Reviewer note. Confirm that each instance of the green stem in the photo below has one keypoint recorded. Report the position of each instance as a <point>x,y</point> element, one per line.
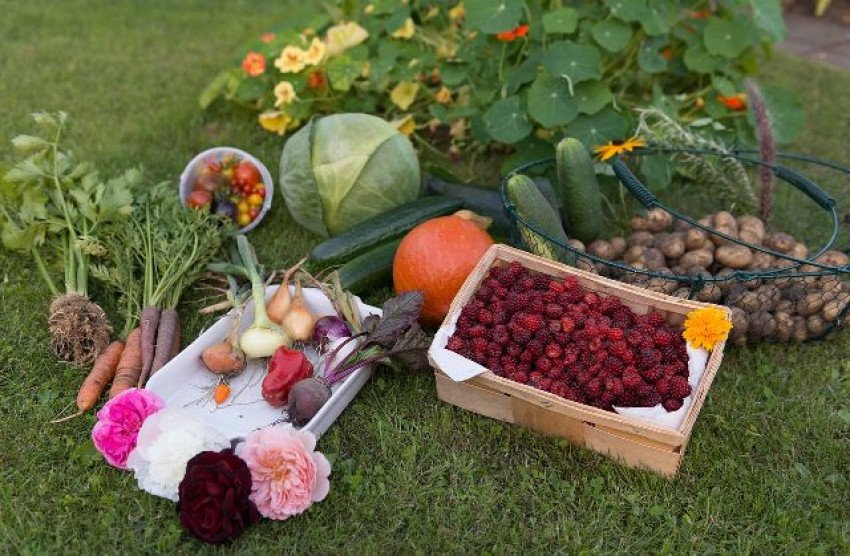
<point>39,263</point>
<point>258,289</point>
<point>502,61</point>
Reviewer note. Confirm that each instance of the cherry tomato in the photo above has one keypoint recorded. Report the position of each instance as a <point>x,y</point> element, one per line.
<point>214,166</point>
<point>254,199</point>
<point>242,206</point>
<point>228,173</point>
<point>246,174</point>
<point>199,199</point>
<point>209,182</point>
<point>260,189</point>
<point>253,212</point>
<point>243,219</point>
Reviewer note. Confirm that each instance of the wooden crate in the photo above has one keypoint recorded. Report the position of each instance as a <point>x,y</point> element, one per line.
<point>633,441</point>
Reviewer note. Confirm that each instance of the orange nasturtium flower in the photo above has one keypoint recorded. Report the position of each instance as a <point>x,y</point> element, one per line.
<point>705,328</point>
<point>513,34</point>
<point>267,37</point>
<point>704,13</point>
<point>254,64</point>
<point>734,102</point>
<point>316,80</point>
<point>616,147</point>
<point>667,53</point>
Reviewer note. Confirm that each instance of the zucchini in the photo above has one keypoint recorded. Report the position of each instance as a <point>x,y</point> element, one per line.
<point>371,269</point>
<point>389,225</point>
<point>531,205</point>
<point>578,190</point>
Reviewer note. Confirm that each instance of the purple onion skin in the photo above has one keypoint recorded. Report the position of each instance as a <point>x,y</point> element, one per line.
<point>306,398</point>
<point>330,328</point>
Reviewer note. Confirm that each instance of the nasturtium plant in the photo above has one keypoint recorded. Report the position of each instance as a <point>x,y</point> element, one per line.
<point>463,75</point>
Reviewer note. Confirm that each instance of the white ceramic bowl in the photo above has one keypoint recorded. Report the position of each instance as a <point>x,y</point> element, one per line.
<point>193,169</point>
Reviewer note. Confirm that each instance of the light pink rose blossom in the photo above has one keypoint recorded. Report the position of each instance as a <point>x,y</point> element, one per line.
<point>287,475</point>
<point>119,421</point>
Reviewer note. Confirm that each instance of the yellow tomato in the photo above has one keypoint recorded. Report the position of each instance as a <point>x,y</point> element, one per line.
<point>255,200</point>
<point>242,206</point>
<point>243,219</point>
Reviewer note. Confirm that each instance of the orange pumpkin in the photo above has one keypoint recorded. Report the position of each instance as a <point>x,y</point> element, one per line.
<point>436,257</point>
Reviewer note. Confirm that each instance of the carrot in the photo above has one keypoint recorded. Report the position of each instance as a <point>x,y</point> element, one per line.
<point>169,322</point>
<point>221,393</point>
<point>148,325</point>
<point>130,365</point>
<point>96,381</point>
<point>175,345</point>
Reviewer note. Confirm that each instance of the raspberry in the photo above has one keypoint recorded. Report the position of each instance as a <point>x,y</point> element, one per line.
<point>652,374</point>
<point>584,377</point>
<point>562,339</point>
<point>522,336</point>
<point>513,271</point>
<point>535,347</point>
<point>455,343</point>
<point>543,364</point>
<point>555,286</point>
<point>485,317</point>
<point>478,344</point>
<point>500,292</point>
<point>553,311</point>
<point>634,338</point>
<point>567,324</point>
<point>526,284</point>
<point>494,365</point>
<point>509,367</point>
<point>662,386</point>
<point>632,380</point>
<point>655,319</point>
<point>541,281</point>
<point>513,350</point>
<point>553,351</point>
<point>679,387</point>
<point>537,306</point>
<point>614,385</point>
<point>554,326</point>
<point>519,377</point>
<point>535,377</point>
<point>526,356</point>
<point>662,338</point>
<point>673,404</point>
<point>614,364</point>
<point>650,357</point>
<point>555,373</point>
<point>532,322</point>
<point>500,334</point>
<point>591,298</point>
<point>494,349</point>
<point>593,388</point>
<point>496,272</point>
<point>570,358</point>
<point>651,399</point>
<point>463,321</point>
<point>560,389</point>
<point>523,367</point>
<point>484,292</point>
<point>476,331</point>
<point>614,334</point>
<point>500,316</point>
<point>545,383</point>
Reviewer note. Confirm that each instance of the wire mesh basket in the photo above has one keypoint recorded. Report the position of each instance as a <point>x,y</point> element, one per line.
<point>777,288</point>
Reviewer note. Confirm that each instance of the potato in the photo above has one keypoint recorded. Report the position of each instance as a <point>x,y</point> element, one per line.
<point>618,245</point>
<point>799,331</point>
<point>740,325</point>
<point>701,258</point>
<point>672,245</point>
<point>695,239</point>
<point>809,305</point>
<point>678,269</point>
<point>634,253</point>
<point>654,259</point>
<point>815,326</point>
<point>751,302</point>
<point>762,325</point>
<point>682,293</point>
<point>710,293</point>
<point>752,226</point>
<point>640,238</point>
<point>769,296</point>
<point>639,223</point>
<point>785,306</point>
<point>578,245</point>
<point>784,326</point>
<point>734,256</point>
<point>727,230</point>
<point>659,219</point>
<point>780,241</point>
<point>834,257</point>
<point>800,251</point>
<point>762,261</point>
<point>707,220</point>
<point>833,308</point>
<point>601,249</point>
<point>709,246</point>
<point>724,219</point>
<point>587,265</point>
<point>681,226</point>
<point>662,285</point>
<point>734,294</point>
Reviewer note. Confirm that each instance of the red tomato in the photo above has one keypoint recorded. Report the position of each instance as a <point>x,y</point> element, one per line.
<point>260,189</point>
<point>199,199</point>
<point>246,174</point>
<point>253,212</point>
<point>214,166</point>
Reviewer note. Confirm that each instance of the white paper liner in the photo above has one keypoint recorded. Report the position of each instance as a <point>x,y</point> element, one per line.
<point>459,369</point>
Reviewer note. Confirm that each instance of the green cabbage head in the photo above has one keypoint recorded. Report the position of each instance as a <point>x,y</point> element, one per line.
<point>342,169</point>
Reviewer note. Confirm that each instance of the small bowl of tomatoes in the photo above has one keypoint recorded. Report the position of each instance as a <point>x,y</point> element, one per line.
<point>229,182</point>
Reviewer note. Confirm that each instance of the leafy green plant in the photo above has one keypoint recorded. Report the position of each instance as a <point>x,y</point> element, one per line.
<point>466,75</point>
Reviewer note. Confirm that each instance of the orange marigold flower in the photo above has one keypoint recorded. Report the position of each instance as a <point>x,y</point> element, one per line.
<point>614,148</point>
<point>705,328</point>
<point>267,37</point>
<point>254,64</point>
<point>734,102</point>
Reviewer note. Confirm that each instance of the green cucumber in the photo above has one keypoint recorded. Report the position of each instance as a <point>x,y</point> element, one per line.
<point>389,225</point>
<point>531,205</point>
<point>372,269</point>
<point>578,190</point>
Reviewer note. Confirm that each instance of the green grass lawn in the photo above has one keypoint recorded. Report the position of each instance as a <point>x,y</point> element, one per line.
<point>766,468</point>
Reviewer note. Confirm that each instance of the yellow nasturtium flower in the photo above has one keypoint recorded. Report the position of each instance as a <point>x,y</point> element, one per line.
<point>406,125</point>
<point>404,94</point>
<point>343,36</point>
<point>406,31</point>
<point>275,121</point>
<point>284,93</point>
<point>291,60</point>
<point>315,53</point>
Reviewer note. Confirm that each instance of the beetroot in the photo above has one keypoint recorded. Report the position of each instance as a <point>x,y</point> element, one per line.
<point>286,367</point>
<point>306,398</point>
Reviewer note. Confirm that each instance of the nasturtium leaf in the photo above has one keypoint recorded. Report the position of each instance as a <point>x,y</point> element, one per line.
<point>786,112</point>
<point>592,96</point>
<point>528,150</point>
<point>216,87</point>
<point>404,93</point>
<point>599,128</point>
<point>550,102</point>
<point>723,85</point>
<point>343,71</point>
<point>725,38</point>
<point>563,20</point>
<point>697,59</point>
<point>396,19</point>
<point>768,17</point>
<point>506,121</point>
<point>657,17</point>
<point>524,72</point>
<point>627,10</point>
<point>493,16</point>
<point>453,75</point>
<point>611,34</point>
<point>650,59</point>
<point>574,62</point>
<point>250,90</point>
<point>438,111</point>
<point>656,171</point>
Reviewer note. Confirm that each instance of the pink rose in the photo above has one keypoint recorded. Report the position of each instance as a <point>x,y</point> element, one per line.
<point>287,475</point>
<point>119,421</point>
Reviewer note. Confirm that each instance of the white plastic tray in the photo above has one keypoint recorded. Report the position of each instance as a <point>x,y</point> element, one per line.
<point>185,381</point>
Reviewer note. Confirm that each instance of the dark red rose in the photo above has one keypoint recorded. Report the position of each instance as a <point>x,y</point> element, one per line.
<point>214,504</point>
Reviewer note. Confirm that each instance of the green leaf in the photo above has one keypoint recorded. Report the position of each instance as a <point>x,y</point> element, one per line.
<point>599,128</point>
<point>453,75</point>
<point>592,96</point>
<point>250,90</point>
<point>786,112</point>
<point>29,143</point>
<point>768,17</point>
<point>523,73</point>
<point>611,34</point>
<point>650,59</point>
<point>574,62</point>
<point>725,38</point>
<point>343,71</point>
<point>627,10</point>
<point>493,16</point>
<point>23,171</point>
<point>724,86</point>
<point>550,102</point>
<point>505,121</point>
<point>214,89</point>
<point>563,20</point>
<point>658,17</point>
<point>697,59</point>
<point>33,205</point>
<point>657,172</point>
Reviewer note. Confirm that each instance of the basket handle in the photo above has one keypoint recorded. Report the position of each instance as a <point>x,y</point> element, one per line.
<point>628,179</point>
<point>805,185</point>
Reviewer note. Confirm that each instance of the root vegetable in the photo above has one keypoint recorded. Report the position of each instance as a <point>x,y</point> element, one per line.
<point>682,293</point>
<point>97,380</point>
<point>299,321</point>
<point>834,258</point>
<point>724,219</point>
<point>769,295</point>
<point>800,251</point>
<point>673,246</point>
<point>662,285</point>
<point>780,241</point>
<point>762,325</point>
<point>833,308</point>
<point>785,306</point>
<point>710,293</point>
<point>751,226</point>
<point>167,333</point>
<point>812,303</point>
<point>658,219</point>
<point>618,245</point>
<point>226,357</point>
<point>707,221</point>
<point>601,249</point>
<point>639,223</point>
<point>654,259</point>
<point>634,253</point>
<point>761,261</point>
<point>750,302</point>
<point>799,331</point>
<point>129,366</point>
<point>640,238</point>
<point>79,328</point>
<point>306,398</point>
<point>740,326</point>
<point>278,305</point>
<point>695,239</point>
<point>701,258</point>
<point>734,256</point>
<point>784,326</point>
<point>148,325</point>
<point>815,326</point>
<point>577,245</point>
